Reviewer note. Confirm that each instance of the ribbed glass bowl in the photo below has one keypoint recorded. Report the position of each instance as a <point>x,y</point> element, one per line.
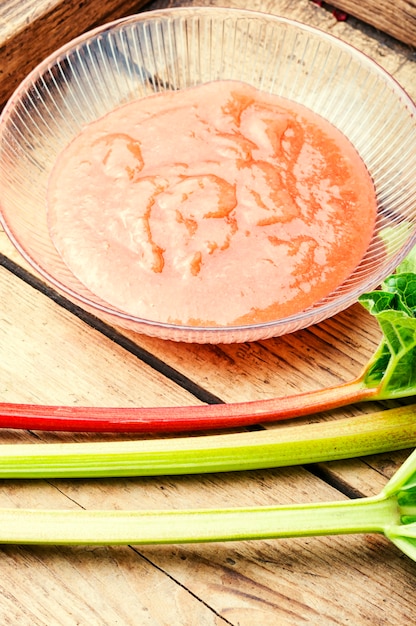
<point>179,48</point>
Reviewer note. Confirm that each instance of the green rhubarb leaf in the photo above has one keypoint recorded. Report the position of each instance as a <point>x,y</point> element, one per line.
<point>393,367</point>
<point>403,289</point>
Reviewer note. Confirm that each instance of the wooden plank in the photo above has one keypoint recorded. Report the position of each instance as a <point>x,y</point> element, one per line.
<point>397,19</point>
<point>52,357</point>
<point>89,585</point>
<point>97,586</point>
<point>285,582</point>
<point>30,30</point>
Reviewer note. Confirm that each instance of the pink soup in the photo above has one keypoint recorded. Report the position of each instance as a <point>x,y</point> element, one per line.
<point>213,206</point>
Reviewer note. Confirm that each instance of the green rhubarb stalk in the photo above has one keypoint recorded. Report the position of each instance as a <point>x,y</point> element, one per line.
<point>392,512</point>
<point>387,430</point>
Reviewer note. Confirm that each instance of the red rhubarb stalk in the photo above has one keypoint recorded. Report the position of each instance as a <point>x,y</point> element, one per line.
<point>181,418</point>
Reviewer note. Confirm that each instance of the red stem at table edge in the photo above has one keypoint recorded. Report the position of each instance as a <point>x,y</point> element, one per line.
<point>180,418</point>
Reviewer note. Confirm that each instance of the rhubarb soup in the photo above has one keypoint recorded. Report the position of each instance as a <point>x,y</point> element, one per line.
<point>217,205</point>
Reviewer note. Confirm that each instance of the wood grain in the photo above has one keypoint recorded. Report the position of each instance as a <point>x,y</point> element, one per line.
<point>395,18</point>
<point>101,587</point>
<point>33,29</point>
<point>76,365</point>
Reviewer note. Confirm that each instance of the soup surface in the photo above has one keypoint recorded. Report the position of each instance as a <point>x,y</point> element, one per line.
<point>217,205</point>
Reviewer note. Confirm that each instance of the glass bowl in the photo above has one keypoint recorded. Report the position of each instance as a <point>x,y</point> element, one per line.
<point>180,48</point>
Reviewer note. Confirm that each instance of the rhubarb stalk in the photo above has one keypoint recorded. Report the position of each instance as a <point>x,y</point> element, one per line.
<point>388,430</point>
<point>392,512</point>
<point>180,418</point>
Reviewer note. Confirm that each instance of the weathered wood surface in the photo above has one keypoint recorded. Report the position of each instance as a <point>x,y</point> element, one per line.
<point>50,354</point>
<point>30,30</point>
<point>396,18</point>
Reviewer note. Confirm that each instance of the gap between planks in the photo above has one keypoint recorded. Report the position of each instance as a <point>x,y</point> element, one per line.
<point>112,333</point>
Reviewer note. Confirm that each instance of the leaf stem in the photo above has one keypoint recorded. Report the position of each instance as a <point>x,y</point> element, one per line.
<point>387,430</point>
<point>203,525</point>
<point>182,418</point>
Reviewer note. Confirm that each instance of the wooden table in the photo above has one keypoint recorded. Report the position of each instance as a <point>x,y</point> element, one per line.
<point>50,353</point>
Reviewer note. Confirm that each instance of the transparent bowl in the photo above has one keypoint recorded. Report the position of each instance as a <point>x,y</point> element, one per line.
<point>179,48</point>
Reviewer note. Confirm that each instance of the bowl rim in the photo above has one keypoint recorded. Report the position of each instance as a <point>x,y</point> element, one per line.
<point>167,14</point>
